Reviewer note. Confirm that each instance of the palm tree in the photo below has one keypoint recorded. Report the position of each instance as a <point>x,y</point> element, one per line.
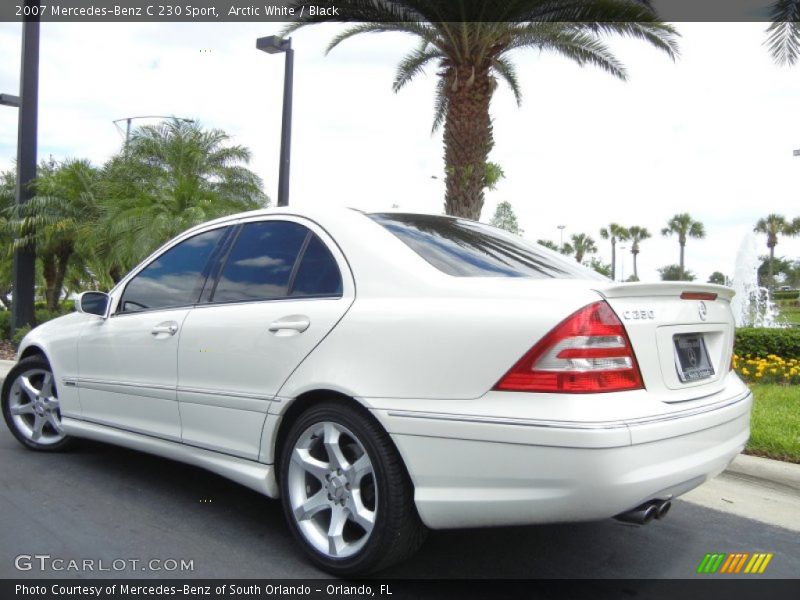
<point>582,245</point>
<point>470,41</point>
<point>637,234</point>
<point>615,233</point>
<point>684,227</point>
<point>172,176</point>
<point>61,219</point>
<point>783,35</point>
<point>773,226</point>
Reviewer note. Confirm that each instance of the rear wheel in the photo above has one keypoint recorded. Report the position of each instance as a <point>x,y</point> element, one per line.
<point>346,494</point>
<point>31,408</point>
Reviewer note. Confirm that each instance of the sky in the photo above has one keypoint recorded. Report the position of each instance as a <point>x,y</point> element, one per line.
<point>711,134</point>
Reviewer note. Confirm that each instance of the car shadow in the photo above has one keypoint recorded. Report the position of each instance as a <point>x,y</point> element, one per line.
<point>601,549</point>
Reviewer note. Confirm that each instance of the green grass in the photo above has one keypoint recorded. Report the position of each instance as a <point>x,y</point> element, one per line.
<point>775,425</point>
<point>790,313</point>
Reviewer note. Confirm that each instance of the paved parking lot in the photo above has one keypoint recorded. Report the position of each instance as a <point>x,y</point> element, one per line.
<point>102,502</point>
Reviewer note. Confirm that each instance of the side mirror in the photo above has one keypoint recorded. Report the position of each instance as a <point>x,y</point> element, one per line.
<point>92,303</point>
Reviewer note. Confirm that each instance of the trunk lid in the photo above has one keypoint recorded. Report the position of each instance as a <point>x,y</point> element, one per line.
<point>681,332</point>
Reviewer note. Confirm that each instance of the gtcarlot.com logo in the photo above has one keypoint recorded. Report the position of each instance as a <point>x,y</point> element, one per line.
<point>46,562</point>
<point>734,563</point>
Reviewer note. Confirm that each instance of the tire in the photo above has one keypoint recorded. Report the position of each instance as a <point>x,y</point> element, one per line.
<point>32,416</point>
<point>346,494</point>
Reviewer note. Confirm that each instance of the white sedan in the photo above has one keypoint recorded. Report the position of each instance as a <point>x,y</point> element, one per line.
<point>386,373</point>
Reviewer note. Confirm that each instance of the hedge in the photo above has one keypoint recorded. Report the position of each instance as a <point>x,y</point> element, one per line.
<point>786,295</point>
<point>760,341</point>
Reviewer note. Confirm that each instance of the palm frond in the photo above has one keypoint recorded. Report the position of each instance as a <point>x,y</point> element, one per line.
<point>414,63</point>
<point>783,35</point>
<point>506,70</point>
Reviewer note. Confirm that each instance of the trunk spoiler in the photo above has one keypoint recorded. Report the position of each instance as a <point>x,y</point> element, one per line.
<point>662,288</point>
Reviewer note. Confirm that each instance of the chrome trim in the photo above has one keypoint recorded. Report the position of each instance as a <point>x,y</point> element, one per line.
<point>620,424</point>
<point>214,392</point>
<point>88,383</point>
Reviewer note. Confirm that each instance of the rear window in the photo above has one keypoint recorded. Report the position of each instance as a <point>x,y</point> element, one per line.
<point>464,248</point>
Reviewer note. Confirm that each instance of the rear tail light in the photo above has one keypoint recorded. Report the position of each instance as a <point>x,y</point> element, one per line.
<point>698,296</point>
<point>587,352</point>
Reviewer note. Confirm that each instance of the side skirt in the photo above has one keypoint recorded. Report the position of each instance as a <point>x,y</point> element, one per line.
<point>257,476</point>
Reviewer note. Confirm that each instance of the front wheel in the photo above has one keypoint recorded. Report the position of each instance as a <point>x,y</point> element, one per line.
<point>346,494</point>
<point>31,408</point>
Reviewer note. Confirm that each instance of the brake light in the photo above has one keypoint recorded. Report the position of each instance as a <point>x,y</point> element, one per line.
<point>698,296</point>
<point>588,352</point>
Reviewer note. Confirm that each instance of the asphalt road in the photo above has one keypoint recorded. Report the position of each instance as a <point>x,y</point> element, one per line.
<point>103,502</point>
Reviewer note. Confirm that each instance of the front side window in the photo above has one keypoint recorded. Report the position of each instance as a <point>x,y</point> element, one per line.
<point>175,278</point>
<point>261,262</point>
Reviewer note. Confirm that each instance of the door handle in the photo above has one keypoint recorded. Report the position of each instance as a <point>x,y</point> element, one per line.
<point>293,323</point>
<point>168,327</point>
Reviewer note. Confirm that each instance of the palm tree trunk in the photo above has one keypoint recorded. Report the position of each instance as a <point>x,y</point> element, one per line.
<point>613,259</point>
<point>770,280</point>
<point>49,273</point>
<point>60,275</point>
<point>683,246</point>
<point>467,139</point>
<point>635,271</point>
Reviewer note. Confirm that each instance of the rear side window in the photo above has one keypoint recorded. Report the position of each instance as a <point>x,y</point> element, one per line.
<point>260,264</point>
<point>318,274</point>
<point>173,279</point>
<point>464,248</point>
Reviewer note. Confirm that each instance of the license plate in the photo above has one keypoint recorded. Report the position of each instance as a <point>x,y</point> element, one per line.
<point>691,358</point>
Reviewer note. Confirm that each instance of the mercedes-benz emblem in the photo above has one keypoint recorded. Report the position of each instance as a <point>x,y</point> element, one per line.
<point>702,310</point>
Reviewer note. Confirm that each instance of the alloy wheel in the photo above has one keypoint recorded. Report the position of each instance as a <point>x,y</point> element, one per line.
<point>332,491</point>
<point>34,408</point>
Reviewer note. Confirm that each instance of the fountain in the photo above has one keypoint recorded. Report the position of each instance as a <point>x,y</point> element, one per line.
<point>752,306</point>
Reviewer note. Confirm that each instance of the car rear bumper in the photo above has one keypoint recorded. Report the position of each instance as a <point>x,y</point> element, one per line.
<point>473,471</point>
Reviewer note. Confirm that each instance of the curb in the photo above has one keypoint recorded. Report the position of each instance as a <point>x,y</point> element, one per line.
<point>766,469</point>
<point>5,366</point>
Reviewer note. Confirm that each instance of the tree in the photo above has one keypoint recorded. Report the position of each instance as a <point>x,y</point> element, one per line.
<point>783,35</point>
<point>675,273</point>
<point>774,225</point>
<point>684,227</point>
<point>637,234</point>
<point>549,244</point>
<point>599,266</point>
<point>774,268</point>
<point>470,42</point>
<point>170,177</point>
<point>582,245</point>
<point>718,278</point>
<point>504,218</point>
<point>615,233</point>
<point>61,220</point>
<point>8,185</point>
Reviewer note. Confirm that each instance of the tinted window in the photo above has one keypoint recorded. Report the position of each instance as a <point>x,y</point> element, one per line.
<point>174,278</point>
<point>318,274</point>
<point>260,264</point>
<point>468,249</point>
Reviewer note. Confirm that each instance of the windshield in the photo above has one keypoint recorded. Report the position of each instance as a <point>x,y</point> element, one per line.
<point>464,248</point>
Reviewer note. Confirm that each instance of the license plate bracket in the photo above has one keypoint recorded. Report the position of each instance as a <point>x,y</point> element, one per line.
<point>691,357</point>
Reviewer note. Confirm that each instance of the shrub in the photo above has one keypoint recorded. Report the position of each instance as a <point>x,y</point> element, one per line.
<point>42,315</point>
<point>5,324</point>
<point>19,334</point>
<point>787,295</point>
<point>762,342</point>
<point>772,369</point>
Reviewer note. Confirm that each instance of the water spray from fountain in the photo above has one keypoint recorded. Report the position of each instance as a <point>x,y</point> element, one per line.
<point>752,305</point>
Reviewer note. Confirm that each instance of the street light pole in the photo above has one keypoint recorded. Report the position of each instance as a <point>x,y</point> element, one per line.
<point>272,45</point>
<point>561,233</point>
<point>24,265</point>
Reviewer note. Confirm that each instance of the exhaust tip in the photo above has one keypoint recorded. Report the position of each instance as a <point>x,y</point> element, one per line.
<point>663,509</point>
<point>650,513</point>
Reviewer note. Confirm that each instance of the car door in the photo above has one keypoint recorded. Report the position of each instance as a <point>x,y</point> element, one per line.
<point>127,363</point>
<point>281,288</point>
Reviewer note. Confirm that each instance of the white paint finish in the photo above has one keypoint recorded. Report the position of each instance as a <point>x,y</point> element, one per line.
<point>123,349</point>
<point>413,340</point>
<point>255,475</point>
<point>464,483</point>
<point>228,430</point>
